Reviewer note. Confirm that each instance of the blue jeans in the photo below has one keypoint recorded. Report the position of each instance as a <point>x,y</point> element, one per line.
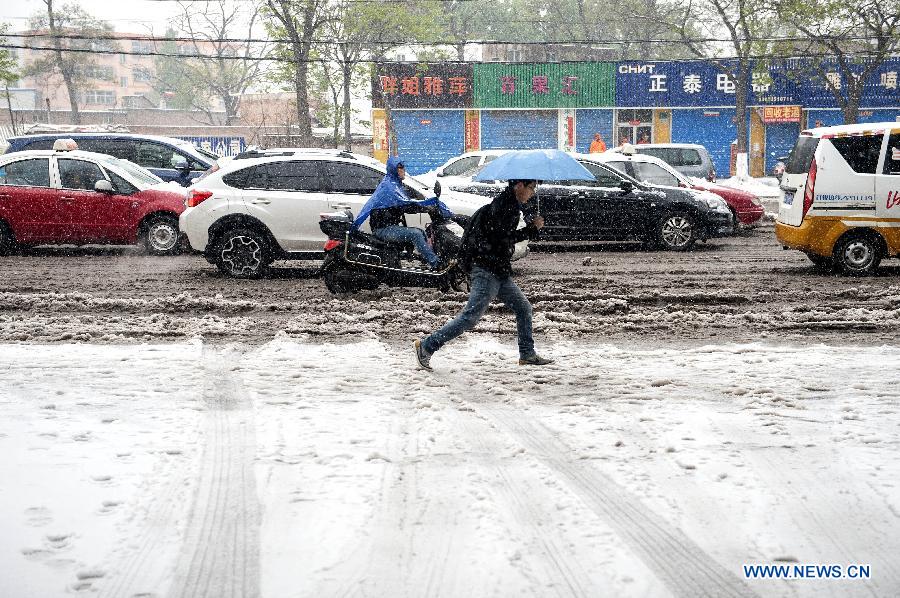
<point>409,234</point>
<point>486,287</point>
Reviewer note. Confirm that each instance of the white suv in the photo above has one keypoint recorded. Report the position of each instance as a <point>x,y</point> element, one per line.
<point>265,205</point>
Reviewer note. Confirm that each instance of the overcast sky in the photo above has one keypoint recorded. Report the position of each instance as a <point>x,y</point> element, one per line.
<point>131,16</point>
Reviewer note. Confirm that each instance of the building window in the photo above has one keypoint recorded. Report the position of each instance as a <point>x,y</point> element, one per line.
<point>513,55</point>
<point>140,75</point>
<point>102,97</point>
<point>123,81</point>
<point>140,46</point>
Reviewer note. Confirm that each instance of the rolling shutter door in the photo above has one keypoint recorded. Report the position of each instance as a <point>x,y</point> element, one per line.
<point>519,129</point>
<point>780,139</point>
<point>712,128</point>
<point>428,138</point>
<point>588,122</point>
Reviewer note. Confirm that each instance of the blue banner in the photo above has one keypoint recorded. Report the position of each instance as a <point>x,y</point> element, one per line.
<point>672,84</point>
<point>698,84</point>
<point>881,89</point>
<point>221,146</point>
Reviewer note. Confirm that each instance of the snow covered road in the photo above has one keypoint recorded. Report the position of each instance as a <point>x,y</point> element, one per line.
<point>297,468</point>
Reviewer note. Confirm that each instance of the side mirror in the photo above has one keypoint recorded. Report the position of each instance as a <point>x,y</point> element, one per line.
<point>626,186</point>
<point>104,186</point>
<point>179,163</point>
<point>440,172</point>
<point>437,188</point>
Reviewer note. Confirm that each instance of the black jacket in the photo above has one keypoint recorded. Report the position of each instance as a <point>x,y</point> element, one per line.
<point>491,236</point>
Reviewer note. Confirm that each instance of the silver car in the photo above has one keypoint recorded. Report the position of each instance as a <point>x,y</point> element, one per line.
<point>689,159</point>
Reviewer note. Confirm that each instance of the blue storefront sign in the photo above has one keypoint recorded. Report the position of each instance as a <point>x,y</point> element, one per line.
<point>881,89</point>
<point>672,84</point>
<point>221,146</point>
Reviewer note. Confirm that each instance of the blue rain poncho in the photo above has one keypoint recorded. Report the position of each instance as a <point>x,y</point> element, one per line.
<point>390,194</point>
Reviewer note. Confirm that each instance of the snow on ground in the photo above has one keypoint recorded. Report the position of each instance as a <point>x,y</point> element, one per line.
<point>307,469</point>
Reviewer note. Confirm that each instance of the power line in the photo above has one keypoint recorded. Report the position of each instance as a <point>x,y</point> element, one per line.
<point>251,40</point>
<point>373,61</point>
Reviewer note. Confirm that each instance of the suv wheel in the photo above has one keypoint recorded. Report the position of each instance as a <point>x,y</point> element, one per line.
<point>676,232</point>
<point>160,235</point>
<point>858,255</point>
<point>242,253</point>
<point>7,240</point>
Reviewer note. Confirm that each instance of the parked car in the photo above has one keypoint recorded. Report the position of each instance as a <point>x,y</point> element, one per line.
<point>841,200</point>
<point>689,159</point>
<point>616,207</point>
<point>168,158</point>
<point>746,209</point>
<point>75,197</point>
<point>265,205</point>
<point>460,169</point>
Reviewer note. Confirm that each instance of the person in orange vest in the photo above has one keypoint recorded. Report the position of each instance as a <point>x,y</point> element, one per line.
<point>598,145</point>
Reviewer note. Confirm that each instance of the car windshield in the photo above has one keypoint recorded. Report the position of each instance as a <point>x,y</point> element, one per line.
<point>207,154</point>
<point>139,176</point>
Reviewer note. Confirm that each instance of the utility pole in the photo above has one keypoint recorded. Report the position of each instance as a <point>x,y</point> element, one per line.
<point>47,100</point>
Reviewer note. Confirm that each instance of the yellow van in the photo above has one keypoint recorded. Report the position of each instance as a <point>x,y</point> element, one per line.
<point>841,204</point>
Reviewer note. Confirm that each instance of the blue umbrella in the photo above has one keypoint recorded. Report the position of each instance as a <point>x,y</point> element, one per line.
<point>540,164</point>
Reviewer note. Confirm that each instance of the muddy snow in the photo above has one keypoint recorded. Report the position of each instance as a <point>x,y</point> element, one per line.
<point>170,432</point>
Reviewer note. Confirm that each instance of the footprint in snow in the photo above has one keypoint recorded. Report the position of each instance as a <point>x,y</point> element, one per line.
<point>58,541</point>
<point>38,516</point>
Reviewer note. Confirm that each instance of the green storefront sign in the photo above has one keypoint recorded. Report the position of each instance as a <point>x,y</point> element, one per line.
<point>554,85</point>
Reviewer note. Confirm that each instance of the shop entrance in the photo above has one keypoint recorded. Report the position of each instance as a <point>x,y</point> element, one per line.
<point>634,126</point>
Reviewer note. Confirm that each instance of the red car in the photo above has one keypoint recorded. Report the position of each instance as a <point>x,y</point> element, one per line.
<point>70,197</point>
<point>745,206</point>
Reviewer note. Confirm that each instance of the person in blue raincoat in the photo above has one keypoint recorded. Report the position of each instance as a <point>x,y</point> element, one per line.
<point>386,207</point>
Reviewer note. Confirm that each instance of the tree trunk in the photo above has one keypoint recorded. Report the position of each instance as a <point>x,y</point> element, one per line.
<point>740,104</point>
<point>64,70</point>
<point>348,141</point>
<point>12,117</point>
<point>851,109</point>
<point>304,123</point>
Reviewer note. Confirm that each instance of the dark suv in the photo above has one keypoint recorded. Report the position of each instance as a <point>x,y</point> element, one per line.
<point>168,158</point>
<point>616,207</point>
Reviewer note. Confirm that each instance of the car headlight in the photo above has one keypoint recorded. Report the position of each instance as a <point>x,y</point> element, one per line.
<point>716,203</point>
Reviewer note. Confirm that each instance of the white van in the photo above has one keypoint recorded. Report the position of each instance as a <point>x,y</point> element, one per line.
<point>841,202</point>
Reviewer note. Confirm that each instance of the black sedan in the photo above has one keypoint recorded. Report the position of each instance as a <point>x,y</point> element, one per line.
<point>616,207</point>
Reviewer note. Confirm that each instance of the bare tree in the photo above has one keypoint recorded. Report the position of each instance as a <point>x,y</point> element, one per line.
<point>746,22</point>
<point>71,29</point>
<point>857,36</point>
<point>228,67</point>
<point>296,23</point>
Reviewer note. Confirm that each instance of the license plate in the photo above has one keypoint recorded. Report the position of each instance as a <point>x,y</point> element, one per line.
<point>788,198</point>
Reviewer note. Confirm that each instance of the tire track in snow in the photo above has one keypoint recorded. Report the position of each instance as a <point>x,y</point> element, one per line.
<point>563,570</point>
<point>220,554</point>
<point>409,550</point>
<point>140,574</point>
<point>678,561</point>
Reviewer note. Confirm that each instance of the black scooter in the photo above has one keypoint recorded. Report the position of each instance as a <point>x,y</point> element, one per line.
<point>355,260</point>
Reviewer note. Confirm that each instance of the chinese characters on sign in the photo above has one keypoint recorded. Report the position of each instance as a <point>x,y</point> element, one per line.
<point>889,80</point>
<point>540,84</point>
<point>428,86</point>
<point>781,114</point>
